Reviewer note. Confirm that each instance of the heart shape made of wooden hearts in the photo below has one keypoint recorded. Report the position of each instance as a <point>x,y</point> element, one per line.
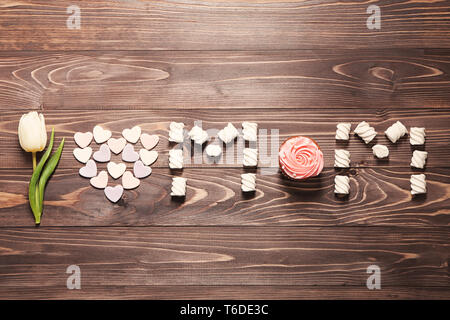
<point>148,157</point>
<point>83,139</point>
<point>82,155</point>
<point>149,141</point>
<point>132,135</point>
<point>117,145</point>
<point>103,154</point>
<point>140,170</point>
<point>129,181</point>
<point>116,170</point>
<point>101,135</point>
<point>114,193</point>
<point>100,181</point>
<point>89,170</point>
<point>129,155</point>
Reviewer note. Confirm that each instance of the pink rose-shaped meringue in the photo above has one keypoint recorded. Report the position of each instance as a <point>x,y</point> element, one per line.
<point>300,158</point>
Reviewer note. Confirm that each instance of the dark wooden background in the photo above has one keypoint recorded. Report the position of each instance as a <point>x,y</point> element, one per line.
<point>297,66</point>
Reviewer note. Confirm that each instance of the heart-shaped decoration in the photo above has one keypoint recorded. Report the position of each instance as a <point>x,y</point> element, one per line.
<point>140,170</point>
<point>100,181</point>
<point>101,135</point>
<point>103,154</point>
<point>129,181</point>
<point>129,155</point>
<point>117,145</point>
<point>89,170</point>
<point>116,170</point>
<point>82,155</point>
<point>132,135</point>
<point>114,193</point>
<point>149,141</point>
<point>83,139</point>
<point>148,157</point>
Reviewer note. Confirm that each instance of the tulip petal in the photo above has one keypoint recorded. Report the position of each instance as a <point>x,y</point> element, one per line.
<point>43,132</point>
<point>32,135</point>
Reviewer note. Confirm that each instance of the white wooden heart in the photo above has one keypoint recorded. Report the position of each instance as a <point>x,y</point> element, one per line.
<point>116,170</point>
<point>132,135</point>
<point>129,181</point>
<point>148,157</point>
<point>117,145</point>
<point>83,139</point>
<point>101,135</point>
<point>82,155</point>
<point>149,141</point>
<point>100,181</point>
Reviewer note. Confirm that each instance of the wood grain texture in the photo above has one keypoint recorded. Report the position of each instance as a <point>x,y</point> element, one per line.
<point>320,124</point>
<point>297,66</point>
<point>240,292</point>
<point>222,25</point>
<point>225,79</point>
<point>337,257</point>
<point>379,197</point>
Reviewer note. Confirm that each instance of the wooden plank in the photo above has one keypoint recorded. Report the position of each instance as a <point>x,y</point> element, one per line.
<point>379,197</point>
<point>226,79</point>
<point>214,25</point>
<point>139,292</point>
<point>338,257</point>
<point>318,124</point>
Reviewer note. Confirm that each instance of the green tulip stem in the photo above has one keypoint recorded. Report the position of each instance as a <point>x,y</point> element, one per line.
<point>34,160</point>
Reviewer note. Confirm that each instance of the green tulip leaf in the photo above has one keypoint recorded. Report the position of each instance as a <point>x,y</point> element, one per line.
<point>33,191</point>
<point>47,172</point>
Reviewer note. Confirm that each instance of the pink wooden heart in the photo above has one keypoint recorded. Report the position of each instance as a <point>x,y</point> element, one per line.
<point>140,170</point>
<point>114,193</point>
<point>117,145</point>
<point>102,155</point>
<point>89,170</point>
<point>129,155</point>
<point>149,141</point>
<point>83,139</point>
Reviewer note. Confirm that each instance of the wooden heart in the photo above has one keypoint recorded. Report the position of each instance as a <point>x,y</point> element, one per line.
<point>140,170</point>
<point>148,157</point>
<point>129,181</point>
<point>116,170</point>
<point>100,181</point>
<point>132,135</point>
<point>83,139</point>
<point>149,141</point>
<point>114,194</point>
<point>101,135</point>
<point>89,170</point>
<point>129,155</point>
<point>82,155</point>
<point>103,154</point>
<point>117,145</point>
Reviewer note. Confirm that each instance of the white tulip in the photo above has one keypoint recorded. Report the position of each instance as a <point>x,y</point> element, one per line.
<point>32,133</point>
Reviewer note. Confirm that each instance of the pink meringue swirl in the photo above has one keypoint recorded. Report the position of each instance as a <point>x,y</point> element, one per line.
<point>300,158</point>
